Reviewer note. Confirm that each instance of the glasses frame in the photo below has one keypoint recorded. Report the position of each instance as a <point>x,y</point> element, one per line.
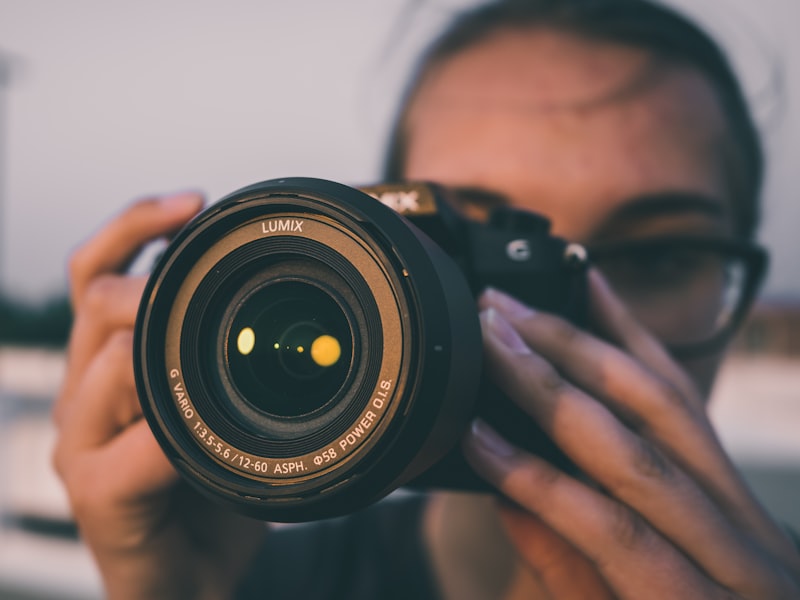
<point>754,257</point>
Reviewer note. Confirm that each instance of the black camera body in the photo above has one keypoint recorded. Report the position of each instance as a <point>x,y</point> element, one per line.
<point>302,350</point>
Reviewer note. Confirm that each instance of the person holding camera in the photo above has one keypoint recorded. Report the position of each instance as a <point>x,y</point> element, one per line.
<point>622,123</point>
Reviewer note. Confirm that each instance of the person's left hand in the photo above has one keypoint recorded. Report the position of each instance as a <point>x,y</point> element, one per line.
<point>662,512</point>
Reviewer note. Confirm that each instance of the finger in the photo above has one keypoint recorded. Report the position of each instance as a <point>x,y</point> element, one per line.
<point>670,415</point>
<point>700,451</point>
<point>135,464</point>
<point>618,324</point>
<point>105,452</point>
<point>105,402</point>
<point>564,572</point>
<point>117,476</point>
<point>111,304</point>
<point>114,246</point>
<point>632,558</point>
<point>646,402</point>
<point>622,381</point>
<point>631,468</point>
<point>559,338</point>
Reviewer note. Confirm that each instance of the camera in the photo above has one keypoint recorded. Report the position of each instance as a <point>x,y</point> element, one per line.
<point>303,348</point>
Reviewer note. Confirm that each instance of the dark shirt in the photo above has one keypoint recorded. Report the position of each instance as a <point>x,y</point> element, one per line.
<point>375,554</point>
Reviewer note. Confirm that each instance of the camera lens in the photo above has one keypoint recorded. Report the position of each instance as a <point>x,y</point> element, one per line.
<point>289,349</point>
<point>301,350</point>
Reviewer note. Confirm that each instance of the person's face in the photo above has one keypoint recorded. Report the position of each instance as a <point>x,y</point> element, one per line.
<point>601,139</point>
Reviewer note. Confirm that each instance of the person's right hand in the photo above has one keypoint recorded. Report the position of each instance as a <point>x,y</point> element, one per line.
<point>152,537</point>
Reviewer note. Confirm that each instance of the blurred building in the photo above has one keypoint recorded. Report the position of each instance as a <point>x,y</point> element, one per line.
<point>773,327</point>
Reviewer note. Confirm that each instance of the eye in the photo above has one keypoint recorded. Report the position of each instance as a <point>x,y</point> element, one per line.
<point>650,267</point>
<point>688,291</point>
<point>661,262</point>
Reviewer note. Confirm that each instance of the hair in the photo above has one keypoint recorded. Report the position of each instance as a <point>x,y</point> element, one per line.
<point>635,23</point>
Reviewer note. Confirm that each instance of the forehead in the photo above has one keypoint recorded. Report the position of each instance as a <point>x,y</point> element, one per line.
<point>570,127</point>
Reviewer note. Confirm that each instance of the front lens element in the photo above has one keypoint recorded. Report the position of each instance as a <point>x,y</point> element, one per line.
<point>289,348</point>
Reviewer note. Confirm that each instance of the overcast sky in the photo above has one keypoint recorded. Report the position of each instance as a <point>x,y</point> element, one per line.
<point>111,101</point>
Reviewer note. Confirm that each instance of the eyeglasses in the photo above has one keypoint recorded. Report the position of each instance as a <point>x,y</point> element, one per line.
<point>691,292</point>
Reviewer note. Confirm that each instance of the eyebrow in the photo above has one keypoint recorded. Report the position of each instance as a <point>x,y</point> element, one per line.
<point>667,203</point>
<point>636,210</point>
<point>658,206</point>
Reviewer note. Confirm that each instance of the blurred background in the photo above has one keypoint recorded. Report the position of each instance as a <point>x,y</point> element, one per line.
<point>101,103</point>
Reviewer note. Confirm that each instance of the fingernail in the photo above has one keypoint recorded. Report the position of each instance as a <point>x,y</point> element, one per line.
<point>505,332</point>
<point>509,306</point>
<point>487,439</point>
<point>183,202</point>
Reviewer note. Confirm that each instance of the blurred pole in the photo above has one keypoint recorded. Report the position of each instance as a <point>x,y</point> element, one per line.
<point>5,78</point>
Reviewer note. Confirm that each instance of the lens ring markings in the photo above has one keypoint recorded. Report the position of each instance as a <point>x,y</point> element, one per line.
<point>366,428</point>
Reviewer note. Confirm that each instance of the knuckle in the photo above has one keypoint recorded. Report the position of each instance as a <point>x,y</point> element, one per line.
<point>629,529</point>
<point>81,501</point>
<point>76,263</point>
<point>62,460</point>
<point>551,388</point>
<point>648,462</point>
<point>564,331</point>
<point>120,345</point>
<point>57,460</point>
<point>535,480</point>
<point>666,403</point>
<point>118,357</point>
<point>100,294</point>
<point>544,476</point>
<point>77,481</point>
<point>671,396</point>
<point>85,493</point>
<point>646,466</point>
<point>551,380</point>
<point>633,420</point>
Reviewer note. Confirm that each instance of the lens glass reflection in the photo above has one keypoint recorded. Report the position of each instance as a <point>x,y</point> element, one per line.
<point>289,349</point>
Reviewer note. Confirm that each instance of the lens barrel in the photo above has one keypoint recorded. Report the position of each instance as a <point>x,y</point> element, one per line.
<point>301,350</point>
